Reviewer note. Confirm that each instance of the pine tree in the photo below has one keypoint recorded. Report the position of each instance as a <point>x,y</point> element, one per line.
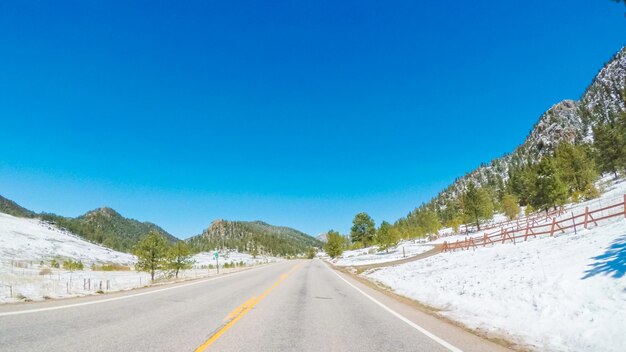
<point>610,144</point>
<point>576,167</point>
<point>334,244</point>
<point>363,229</point>
<point>521,183</point>
<point>179,257</point>
<point>151,253</point>
<point>477,204</point>
<point>550,190</point>
<point>428,222</point>
<point>510,205</point>
<point>310,253</point>
<point>386,236</point>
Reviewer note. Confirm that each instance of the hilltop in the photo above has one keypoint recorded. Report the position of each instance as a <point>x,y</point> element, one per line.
<point>253,237</point>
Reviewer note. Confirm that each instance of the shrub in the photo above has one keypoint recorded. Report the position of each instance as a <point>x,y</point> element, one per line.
<point>110,267</point>
<point>45,271</point>
<point>357,245</point>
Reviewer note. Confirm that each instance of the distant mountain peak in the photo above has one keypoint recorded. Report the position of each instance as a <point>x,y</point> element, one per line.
<point>106,211</point>
<point>247,236</point>
<point>568,121</point>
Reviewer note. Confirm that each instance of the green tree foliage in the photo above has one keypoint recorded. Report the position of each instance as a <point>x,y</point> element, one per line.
<point>510,205</point>
<point>311,252</point>
<point>151,253</point>
<point>576,167</point>
<point>477,204</point>
<point>455,223</point>
<point>179,257</point>
<point>550,190</point>
<point>363,229</point>
<point>72,265</point>
<point>610,145</point>
<point>386,236</point>
<point>334,244</point>
<point>107,227</point>
<point>522,183</point>
<point>10,207</point>
<point>254,237</point>
<point>427,222</point>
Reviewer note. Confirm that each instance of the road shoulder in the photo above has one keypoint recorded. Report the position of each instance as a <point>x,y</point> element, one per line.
<point>428,318</point>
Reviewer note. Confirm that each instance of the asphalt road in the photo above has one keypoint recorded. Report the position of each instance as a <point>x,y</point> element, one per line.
<point>290,306</point>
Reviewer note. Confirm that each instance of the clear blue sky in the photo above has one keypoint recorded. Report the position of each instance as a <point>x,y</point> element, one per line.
<point>297,113</point>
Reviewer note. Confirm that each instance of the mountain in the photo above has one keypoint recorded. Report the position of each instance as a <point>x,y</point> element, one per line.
<point>253,236</point>
<point>107,227</point>
<point>8,206</point>
<point>321,237</point>
<point>103,226</point>
<point>567,121</point>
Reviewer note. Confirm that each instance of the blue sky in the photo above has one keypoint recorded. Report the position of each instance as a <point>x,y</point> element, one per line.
<point>297,113</point>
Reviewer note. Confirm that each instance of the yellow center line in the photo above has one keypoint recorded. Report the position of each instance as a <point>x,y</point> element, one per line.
<point>240,311</point>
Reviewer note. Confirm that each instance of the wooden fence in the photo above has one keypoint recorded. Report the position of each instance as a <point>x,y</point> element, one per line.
<point>533,219</point>
<point>514,231</point>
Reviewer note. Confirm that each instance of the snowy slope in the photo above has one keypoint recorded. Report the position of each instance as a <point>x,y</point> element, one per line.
<point>527,290</point>
<point>34,240</point>
<point>204,259</point>
<point>372,255</point>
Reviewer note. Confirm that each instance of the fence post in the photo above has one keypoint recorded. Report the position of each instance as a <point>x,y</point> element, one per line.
<point>586,216</point>
<point>552,227</point>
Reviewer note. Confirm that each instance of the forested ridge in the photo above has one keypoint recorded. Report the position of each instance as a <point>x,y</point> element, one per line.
<point>572,145</point>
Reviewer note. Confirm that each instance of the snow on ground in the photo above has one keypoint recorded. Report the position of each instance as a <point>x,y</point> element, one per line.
<point>205,259</point>
<point>36,283</point>
<point>528,290</point>
<point>26,243</point>
<point>34,240</point>
<point>612,193</point>
<point>371,255</point>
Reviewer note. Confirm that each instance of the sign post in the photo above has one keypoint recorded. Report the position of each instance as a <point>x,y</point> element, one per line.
<point>216,255</point>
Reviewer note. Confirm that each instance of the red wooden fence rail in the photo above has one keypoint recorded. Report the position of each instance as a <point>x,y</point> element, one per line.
<point>508,233</point>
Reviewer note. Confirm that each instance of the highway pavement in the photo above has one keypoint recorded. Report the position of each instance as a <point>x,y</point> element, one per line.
<point>301,305</point>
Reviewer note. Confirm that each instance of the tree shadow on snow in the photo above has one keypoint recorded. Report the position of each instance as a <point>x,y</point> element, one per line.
<point>612,262</point>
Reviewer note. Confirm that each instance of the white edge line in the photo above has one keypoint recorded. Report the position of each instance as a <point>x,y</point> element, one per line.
<point>37,310</point>
<point>410,323</point>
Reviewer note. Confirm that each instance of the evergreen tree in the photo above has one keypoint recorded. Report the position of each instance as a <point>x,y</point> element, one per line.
<point>521,183</point>
<point>428,222</point>
<point>179,257</point>
<point>363,229</point>
<point>550,190</point>
<point>386,236</point>
<point>455,223</point>
<point>334,244</point>
<point>610,144</point>
<point>510,205</point>
<point>151,253</point>
<point>477,204</point>
<point>576,167</point>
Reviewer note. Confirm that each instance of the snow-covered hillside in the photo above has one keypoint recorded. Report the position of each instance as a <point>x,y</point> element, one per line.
<point>34,240</point>
<point>205,259</point>
<point>525,291</point>
<point>27,247</point>
<point>372,255</point>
